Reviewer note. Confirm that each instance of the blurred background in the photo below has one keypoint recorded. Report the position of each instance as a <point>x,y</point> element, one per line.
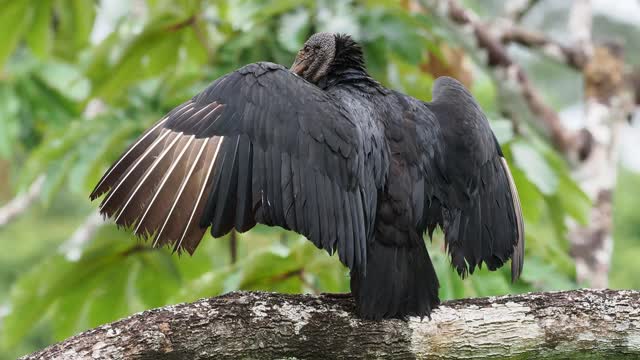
<point>79,80</point>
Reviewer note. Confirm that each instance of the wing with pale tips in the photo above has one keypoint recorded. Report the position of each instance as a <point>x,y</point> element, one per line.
<point>469,186</point>
<point>258,145</point>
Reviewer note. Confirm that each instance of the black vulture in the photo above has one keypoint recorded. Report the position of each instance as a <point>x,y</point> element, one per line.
<point>325,150</point>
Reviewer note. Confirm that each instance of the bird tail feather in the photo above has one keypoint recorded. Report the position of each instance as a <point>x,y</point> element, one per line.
<point>398,282</point>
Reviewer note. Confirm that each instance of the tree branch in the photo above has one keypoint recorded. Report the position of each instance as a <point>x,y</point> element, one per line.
<point>21,203</point>
<point>572,324</point>
<point>517,9</point>
<point>499,59</point>
<point>571,56</point>
<point>580,25</point>
<point>73,247</point>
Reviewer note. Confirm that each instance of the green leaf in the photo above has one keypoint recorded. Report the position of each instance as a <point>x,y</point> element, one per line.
<point>150,264</point>
<point>268,266</point>
<point>71,311</point>
<point>571,198</point>
<point>96,162</point>
<point>399,32</point>
<point>409,79</point>
<point>56,174</point>
<point>52,152</point>
<point>239,14</point>
<point>39,37</point>
<point>490,283</point>
<point>65,79</point>
<point>544,275</point>
<point>108,300</point>
<point>531,200</point>
<point>211,283</point>
<point>75,22</point>
<point>338,17</point>
<point>557,216</point>
<point>327,274</point>
<point>9,121</point>
<point>544,241</point>
<point>110,280</point>
<point>151,53</point>
<point>484,90</point>
<point>272,9</point>
<point>196,43</point>
<point>535,166</point>
<point>293,29</point>
<point>14,19</point>
<point>503,129</point>
<point>451,285</point>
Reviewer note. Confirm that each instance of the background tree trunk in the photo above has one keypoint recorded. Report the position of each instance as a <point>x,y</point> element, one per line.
<point>572,324</point>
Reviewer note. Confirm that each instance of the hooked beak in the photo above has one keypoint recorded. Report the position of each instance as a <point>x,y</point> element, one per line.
<point>298,67</point>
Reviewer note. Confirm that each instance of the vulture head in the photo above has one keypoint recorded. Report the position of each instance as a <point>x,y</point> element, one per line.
<point>325,54</point>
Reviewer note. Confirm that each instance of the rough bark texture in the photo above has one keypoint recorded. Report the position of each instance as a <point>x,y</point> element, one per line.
<point>559,325</point>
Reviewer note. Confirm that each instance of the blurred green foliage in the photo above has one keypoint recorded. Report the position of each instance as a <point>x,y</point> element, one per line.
<point>153,60</point>
<point>625,266</point>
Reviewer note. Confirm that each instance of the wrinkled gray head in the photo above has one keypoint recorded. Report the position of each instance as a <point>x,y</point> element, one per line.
<point>314,59</point>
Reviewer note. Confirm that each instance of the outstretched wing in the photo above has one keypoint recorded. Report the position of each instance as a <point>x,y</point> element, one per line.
<point>258,145</point>
<point>470,190</point>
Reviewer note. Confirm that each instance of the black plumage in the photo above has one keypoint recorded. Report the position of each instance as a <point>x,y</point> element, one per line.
<point>326,151</point>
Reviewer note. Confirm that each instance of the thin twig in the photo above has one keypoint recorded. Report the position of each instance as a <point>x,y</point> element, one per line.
<point>182,24</point>
<point>137,248</point>
<point>21,203</point>
<point>571,56</point>
<point>518,9</point>
<point>200,32</point>
<point>73,247</point>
